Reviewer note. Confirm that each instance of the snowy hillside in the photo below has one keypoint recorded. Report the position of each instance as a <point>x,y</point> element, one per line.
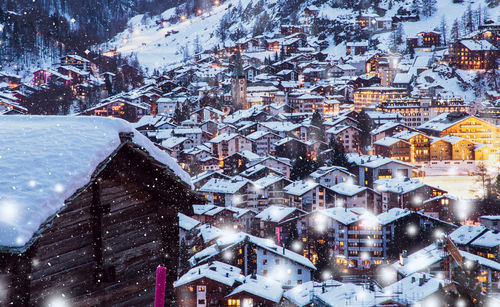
<point>159,43</point>
<point>156,48</point>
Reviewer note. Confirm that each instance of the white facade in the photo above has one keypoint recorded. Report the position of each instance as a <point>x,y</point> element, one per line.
<point>289,273</point>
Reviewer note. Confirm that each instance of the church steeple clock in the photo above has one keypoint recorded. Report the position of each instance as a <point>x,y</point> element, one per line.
<point>239,84</point>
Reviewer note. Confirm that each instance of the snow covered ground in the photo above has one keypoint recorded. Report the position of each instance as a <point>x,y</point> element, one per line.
<point>463,187</point>
<point>155,50</point>
<point>146,39</point>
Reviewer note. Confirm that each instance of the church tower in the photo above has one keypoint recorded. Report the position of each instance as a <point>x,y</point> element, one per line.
<point>239,84</point>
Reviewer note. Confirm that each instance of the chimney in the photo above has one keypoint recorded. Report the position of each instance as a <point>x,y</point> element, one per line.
<point>126,136</point>
<point>403,257</point>
<point>421,281</point>
<point>412,279</point>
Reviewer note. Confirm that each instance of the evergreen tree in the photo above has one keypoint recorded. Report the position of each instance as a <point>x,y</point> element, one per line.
<point>338,156</point>
<point>184,256</point>
<point>109,86</point>
<point>178,115</point>
<point>293,236</point>
<point>365,125</point>
<point>428,7</point>
<point>302,167</point>
<point>455,31</point>
<point>197,46</point>
<point>53,100</point>
<point>317,121</point>
<point>493,3</point>
<point>443,28</point>
<point>324,264</point>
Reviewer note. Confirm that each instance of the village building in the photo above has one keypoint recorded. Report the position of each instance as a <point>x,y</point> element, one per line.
<point>81,201</point>
<point>255,255</point>
<point>207,284</point>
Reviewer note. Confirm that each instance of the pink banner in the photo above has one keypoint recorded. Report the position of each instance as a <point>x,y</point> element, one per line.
<point>161,277</point>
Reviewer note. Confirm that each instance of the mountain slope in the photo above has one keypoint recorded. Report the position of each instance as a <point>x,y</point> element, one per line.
<point>148,38</point>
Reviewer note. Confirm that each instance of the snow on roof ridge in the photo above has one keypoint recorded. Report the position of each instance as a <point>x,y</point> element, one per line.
<point>58,155</point>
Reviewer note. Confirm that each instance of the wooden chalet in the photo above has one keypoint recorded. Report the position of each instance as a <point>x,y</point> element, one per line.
<point>98,236</point>
<point>474,54</point>
<point>120,108</point>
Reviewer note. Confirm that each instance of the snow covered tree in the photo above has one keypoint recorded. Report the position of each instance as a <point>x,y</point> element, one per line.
<point>185,53</point>
<point>397,37</point>
<point>468,19</point>
<point>455,31</point>
<point>261,24</point>
<point>493,3</point>
<point>197,45</point>
<point>223,28</point>
<point>443,28</point>
<point>415,7</point>
<point>238,34</point>
<point>428,7</point>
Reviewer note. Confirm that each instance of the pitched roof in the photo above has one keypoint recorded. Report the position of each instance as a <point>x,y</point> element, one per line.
<point>276,213</point>
<point>58,155</point>
<point>217,271</point>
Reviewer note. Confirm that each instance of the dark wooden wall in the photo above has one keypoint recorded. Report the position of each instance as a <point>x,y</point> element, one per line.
<point>104,247</point>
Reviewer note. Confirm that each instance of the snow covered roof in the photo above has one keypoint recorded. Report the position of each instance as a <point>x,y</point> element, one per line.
<point>342,215</point>
<point>299,188</point>
<point>173,141</point>
<point>226,186</point>
<point>465,234</point>
<point>393,214</point>
<point>481,260</point>
<point>207,174</point>
<point>398,185</point>
<point>441,122</point>
<point>250,156</point>
<point>489,239</point>
<point>209,232</point>
<point>260,286</point>
<point>289,139</point>
<point>302,295</point>
<point>372,161</point>
<point>276,213</point>
<point>324,170</point>
<point>186,222</point>
<point>283,126</point>
<point>389,141</point>
<point>402,78</point>
<point>339,128</point>
<point>421,260</point>
<point>257,168</point>
<point>264,182</point>
<point>409,290</point>
<point>46,159</point>
<point>258,134</point>
<point>348,189</point>
<point>478,45</point>
<point>347,295</point>
<point>229,240</point>
<point>224,137</point>
<point>200,209</point>
<point>217,271</point>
